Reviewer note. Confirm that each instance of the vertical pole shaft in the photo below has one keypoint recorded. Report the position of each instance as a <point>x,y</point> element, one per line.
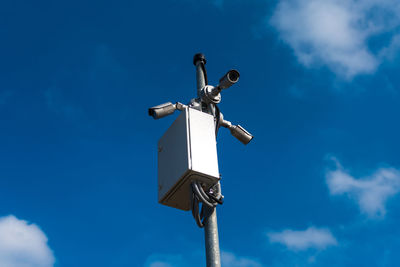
<point>210,225</point>
<point>200,77</point>
<point>212,242</point>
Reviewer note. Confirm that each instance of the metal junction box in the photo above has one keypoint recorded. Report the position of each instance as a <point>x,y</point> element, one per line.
<point>186,152</point>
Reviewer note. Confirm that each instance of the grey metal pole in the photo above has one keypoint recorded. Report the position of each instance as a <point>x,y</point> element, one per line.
<point>212,241</point>
<point>213,257</point>
<point>199,61</point>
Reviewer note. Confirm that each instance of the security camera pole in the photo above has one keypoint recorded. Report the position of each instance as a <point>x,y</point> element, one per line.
<point>213,257</point>
<point>187,158</point>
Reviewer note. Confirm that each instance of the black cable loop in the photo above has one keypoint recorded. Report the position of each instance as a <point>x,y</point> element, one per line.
<point>208,201</point>
<point>201,195</point>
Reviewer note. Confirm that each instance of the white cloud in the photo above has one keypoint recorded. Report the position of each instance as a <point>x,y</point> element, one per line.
<point>160,264</point>
<point>316,238</point>
<point>232,260</point>
<point>336,33</point>
<point>23,244</point>
<point>198,259</point>
<point>165,260</point>
<point>371,193</point>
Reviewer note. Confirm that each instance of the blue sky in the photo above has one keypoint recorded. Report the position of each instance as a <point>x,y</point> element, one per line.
<point>319,89</point>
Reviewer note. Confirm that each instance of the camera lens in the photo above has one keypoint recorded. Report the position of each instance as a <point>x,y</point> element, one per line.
<point>233,75</point>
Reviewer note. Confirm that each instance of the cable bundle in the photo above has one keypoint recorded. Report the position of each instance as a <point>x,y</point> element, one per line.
<point>209,200</point>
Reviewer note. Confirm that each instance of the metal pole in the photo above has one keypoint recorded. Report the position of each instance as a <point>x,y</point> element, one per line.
<point>212,242</point>
<point>199,61</point>
<point>213,258</point>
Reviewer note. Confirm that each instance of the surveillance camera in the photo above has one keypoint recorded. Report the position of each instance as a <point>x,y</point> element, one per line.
<point>162,110</point>
<point>211,94</point>
<point>241,134</point>
<point>230,78</point>
<point>236,130</point>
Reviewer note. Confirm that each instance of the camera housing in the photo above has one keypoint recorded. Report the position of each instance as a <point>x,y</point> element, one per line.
<point>211,94</point>
<point>241,134</point>
<point>229,79</point>
<point>162,110</point>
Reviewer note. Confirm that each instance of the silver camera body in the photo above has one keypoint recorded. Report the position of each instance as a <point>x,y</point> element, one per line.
<point>187,152</point>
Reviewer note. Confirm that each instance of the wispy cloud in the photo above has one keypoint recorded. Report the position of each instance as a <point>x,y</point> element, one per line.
<point>232,260</point>
<point>23,244</point>
<point>371,193</point>
<point>198,259</point>
<point>161,264</point>
<point>311,238</point>
<point>165,260</point>
<point>336,33</point>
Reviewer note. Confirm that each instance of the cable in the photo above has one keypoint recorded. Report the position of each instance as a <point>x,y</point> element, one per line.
<point>195,211</point>
<point>209,200</point>
<point>218,120</point>
<point>202,196</point>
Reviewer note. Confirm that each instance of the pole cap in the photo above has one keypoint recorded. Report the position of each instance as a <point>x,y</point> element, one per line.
<point>199,56</point>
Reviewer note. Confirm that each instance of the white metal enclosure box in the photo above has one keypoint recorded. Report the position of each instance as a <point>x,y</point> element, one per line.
<point>187,151</point>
